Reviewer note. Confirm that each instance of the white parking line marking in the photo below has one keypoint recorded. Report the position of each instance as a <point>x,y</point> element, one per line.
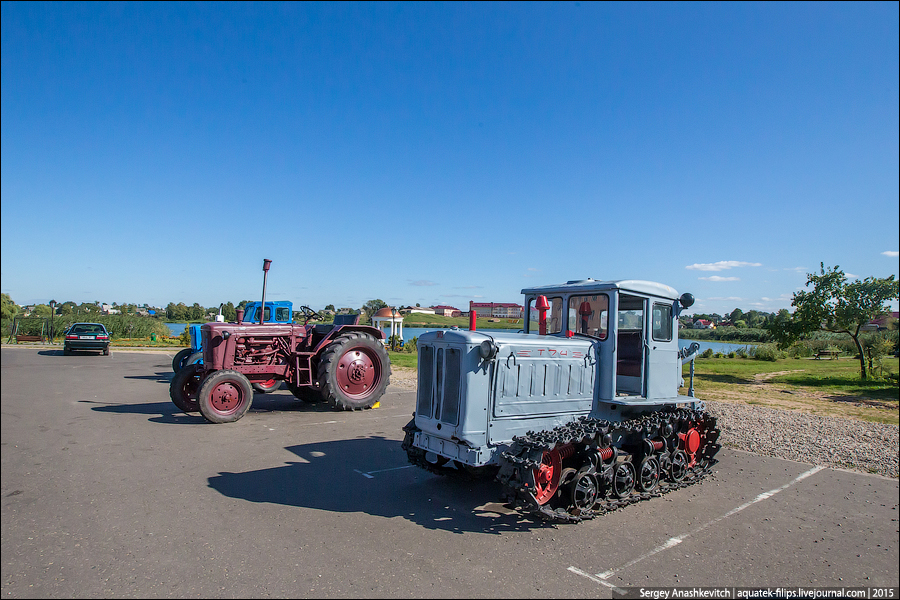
<point>595,580</point>
<point>672,542</point>
<point>369,475</point>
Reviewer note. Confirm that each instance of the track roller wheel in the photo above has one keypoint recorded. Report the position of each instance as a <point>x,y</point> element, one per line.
<point>679,467</point>
<point>623,480</point>
<point>648,477</point>
<point>585,490</point>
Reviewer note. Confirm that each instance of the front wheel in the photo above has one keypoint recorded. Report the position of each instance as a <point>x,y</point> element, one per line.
<point>184,388</point>
<point>180,359</point>
<point>354,371</point>
<point>225,397</point>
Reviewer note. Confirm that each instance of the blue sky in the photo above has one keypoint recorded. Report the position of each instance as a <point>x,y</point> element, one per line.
<point>438,153</point>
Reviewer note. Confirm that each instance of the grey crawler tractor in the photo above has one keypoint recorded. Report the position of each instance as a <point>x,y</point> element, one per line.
<point>576,415</point>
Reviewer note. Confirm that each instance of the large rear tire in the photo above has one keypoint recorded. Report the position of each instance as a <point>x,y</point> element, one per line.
<point>194,359</point>
<point>180,359</point>
<point>354,371</point>
<point>225,397</point>
<point>184,389</point>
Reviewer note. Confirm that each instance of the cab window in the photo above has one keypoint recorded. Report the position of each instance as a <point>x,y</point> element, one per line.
<point>589,314</point>
<point>554,316</point>
<point>662,322</point>
<point>255,317</point>
<point>282,314</point>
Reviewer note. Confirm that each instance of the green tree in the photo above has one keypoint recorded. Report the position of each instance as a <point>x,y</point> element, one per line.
<point>735,316</point>
<point>837,306</point>
<point>228,312</point>
<point>330,307</point>
<point>8,308</point>
<point>373,306</point>
<point>42,310</point>
<point>196,312</point>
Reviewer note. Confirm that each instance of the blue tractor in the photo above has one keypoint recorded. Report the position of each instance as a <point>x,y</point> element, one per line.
<point>575,416</point>
<point>280,311</point>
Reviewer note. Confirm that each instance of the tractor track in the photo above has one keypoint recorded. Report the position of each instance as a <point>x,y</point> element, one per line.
<point>581,470</point>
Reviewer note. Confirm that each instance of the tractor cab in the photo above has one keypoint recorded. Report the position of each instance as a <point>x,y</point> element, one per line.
<point>634,327</point>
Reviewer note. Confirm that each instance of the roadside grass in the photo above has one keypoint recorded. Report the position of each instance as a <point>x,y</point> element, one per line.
<point>407,360</point>
<point>823,387</point>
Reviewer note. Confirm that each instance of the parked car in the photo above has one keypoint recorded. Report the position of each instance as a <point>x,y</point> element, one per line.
<point>86,336</point>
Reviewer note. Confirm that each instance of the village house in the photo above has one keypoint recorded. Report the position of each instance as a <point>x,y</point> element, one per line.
<point>500,310</point>
<point>447,311</point>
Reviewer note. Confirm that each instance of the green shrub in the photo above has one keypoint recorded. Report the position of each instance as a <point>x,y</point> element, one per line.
<point>706,353</point>
<point>768,352</point>
<point>411,345</point>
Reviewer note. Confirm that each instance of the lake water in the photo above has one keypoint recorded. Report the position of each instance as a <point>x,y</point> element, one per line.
<point>411,332</point>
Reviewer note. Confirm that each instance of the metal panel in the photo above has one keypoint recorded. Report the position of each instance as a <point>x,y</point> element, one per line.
<point>426,380</point>
<point>452,380</point>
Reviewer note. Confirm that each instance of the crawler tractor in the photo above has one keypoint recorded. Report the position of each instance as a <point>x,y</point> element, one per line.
<point>342,363</point>
<point>576,415</point>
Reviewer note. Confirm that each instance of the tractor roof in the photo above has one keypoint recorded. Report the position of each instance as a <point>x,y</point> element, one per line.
<point>588,286</point>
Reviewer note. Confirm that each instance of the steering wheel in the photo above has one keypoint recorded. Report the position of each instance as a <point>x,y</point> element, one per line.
<point>309,314</point>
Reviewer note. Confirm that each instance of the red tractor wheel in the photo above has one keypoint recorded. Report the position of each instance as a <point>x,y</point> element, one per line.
<point>546,477</point>
<point>184,388</point>
<point>264,387</point>
<point>354,371</point>
<point>225,397</point>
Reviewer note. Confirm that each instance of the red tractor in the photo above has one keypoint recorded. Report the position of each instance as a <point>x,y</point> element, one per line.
<point>342,363</point>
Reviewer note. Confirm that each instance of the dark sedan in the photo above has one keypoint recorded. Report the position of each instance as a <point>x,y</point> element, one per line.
<point>86,336</point>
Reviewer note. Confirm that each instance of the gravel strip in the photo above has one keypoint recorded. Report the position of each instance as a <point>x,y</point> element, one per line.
<point>828,441</point>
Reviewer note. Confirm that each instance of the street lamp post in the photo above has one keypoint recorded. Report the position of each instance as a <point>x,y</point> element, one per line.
<point>52,310</point>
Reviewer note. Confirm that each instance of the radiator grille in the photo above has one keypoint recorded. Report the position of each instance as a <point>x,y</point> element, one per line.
<point>440,371</point>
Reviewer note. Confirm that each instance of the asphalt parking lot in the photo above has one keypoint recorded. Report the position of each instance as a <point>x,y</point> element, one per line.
<point>109,491</point>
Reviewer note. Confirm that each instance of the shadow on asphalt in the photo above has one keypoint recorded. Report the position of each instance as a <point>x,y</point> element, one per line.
<point>326,479</point>
<point>168,413</point>
<point>160,376</point>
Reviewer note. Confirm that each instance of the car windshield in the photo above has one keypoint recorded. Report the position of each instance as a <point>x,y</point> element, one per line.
<point>87,328</point>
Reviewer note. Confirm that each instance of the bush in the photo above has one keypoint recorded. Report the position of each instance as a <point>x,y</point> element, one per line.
<point>706,353</point>
<point>768,352</point>
<point>411,345</point>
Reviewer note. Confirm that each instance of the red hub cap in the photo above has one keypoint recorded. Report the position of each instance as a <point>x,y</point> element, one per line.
<point>225,398</point>
<point>357,373</point>
<point>546,476</point>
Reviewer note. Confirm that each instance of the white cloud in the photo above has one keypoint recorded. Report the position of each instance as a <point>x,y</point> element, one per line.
<point>721,265</point>
<point>796,269</point>
<point>718,278</point>
<point>851,276</point>
<point>422,282</point>
<point>891,253</point>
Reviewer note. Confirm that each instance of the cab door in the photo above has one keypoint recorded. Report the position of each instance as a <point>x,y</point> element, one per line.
<point>662,372</point>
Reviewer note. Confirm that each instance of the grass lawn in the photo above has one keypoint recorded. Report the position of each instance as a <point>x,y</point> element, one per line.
<point>823,387</point>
